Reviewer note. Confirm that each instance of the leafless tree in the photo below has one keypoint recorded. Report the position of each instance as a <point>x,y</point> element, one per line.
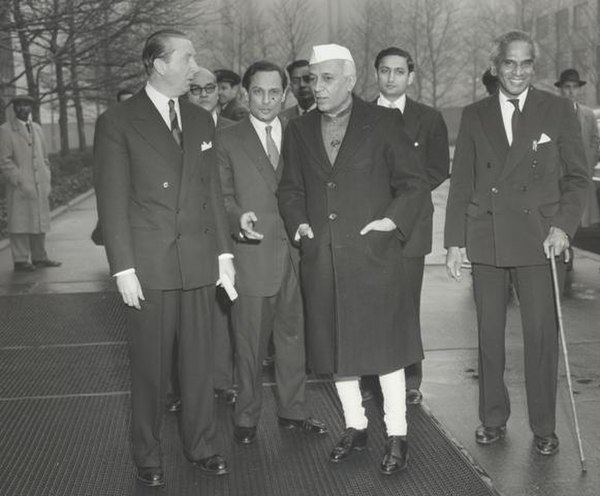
<point>295,25</point>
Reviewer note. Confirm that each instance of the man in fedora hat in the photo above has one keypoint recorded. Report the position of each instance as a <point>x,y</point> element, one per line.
<point>24,165</point>
<point>570,85</point>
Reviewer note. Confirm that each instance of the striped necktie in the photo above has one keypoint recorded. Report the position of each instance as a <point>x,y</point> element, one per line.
<point>175,129</point>
<point>272,151</point>
<point>516,117</point>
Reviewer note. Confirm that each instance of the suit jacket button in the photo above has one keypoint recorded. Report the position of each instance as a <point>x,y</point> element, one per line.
<point>494,190</point>
<point>526,211</point>
<point>332,216</point>
<point>165,185</point>
<point>178,236</point>
<point>331,185</point>
<point>204,205</point>
<point>206,231</point>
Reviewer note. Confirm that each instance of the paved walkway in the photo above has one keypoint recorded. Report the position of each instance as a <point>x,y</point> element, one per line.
<point>450,338</point>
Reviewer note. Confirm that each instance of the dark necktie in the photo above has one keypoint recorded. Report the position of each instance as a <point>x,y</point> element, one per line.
<point>28,126</point>
<point>516,117</point>
<point>175,130</point>
<point>272,151</point>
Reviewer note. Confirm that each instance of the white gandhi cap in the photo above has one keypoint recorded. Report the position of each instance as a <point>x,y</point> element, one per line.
<point>323,53</point>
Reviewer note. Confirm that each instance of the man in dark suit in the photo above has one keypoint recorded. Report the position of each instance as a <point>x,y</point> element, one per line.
<point>516,194</point>
<point>166,237</point>
<point>300,86</point>
<point>426,128</point>
<point>229,89</point>
<point>351,192</point>
<point>269,293</point>
<point>570,85</point>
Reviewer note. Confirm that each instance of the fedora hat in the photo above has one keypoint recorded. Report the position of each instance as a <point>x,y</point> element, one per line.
<point>569,75</point>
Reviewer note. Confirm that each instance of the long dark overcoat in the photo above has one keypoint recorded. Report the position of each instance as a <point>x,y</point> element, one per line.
<point>360,319</point>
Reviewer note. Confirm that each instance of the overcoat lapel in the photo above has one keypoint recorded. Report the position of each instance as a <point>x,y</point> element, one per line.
<point>254,148</point>
<point>493,127</point>
<point>358,129</point>
<point>530,128</point>
<point>412,119</point>
<point>310,130</point>
<point>152,128</point>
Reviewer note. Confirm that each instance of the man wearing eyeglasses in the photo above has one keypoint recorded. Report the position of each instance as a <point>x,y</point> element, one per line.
<point>300,86</point>
<point>204,93</point>
<point>269,301</point>
<point>517,191</point>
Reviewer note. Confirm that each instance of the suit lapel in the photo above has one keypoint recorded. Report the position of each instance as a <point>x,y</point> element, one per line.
<point>152,128</point>
<point>530,128</point>
<point>190,126</point>
<point>254,148</point>
<point>493,126</point>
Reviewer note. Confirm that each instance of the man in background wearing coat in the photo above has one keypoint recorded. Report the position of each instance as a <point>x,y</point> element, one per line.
<point>426,128</point>
<point>300,86</point>
<point>267,264</point>
<point>351,192</point>
<point>570,86</point>
<point>24,165</point>
<point>229,94</point>
<point>517,191</point>
<point>167,242</point>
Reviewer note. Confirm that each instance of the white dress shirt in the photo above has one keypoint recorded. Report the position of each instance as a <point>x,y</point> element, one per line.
<point>261,130</point>
<point>507,110</point>
<point>399,104</point>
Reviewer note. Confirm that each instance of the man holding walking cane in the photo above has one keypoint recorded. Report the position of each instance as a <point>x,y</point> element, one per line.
<point>517,191</point>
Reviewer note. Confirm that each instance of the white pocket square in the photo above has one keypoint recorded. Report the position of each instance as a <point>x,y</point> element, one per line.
<point>206,146</point>
<point>544,138</point>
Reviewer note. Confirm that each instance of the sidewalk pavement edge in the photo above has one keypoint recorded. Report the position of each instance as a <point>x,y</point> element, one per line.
<point>58,211</point>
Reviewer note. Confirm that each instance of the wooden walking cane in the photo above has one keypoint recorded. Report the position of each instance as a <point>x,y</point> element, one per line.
<point>563,343</point>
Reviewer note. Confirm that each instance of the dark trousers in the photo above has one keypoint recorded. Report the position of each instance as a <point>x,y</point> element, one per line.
<point>222,341</point>
<point>254,319</point>
<point>413,268</point>
<point>169,318</point>
<point>534,288</point>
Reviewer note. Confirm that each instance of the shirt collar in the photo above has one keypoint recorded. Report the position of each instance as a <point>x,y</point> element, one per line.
<point>301,111</point>
<point>215,116</point>
<point>522,97</point>
<point>159,100</point>
<point>399,103</point>
<point>262,126</point>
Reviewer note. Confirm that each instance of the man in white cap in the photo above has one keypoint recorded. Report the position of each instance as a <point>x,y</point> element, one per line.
<point>350,193</point>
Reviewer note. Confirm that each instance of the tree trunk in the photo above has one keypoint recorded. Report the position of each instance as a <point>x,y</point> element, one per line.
<point>32,86</point>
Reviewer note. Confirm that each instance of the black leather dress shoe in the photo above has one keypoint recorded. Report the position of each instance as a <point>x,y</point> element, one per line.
<point>351,440</point>
<point>308,425</point>
<point>395,457</point>
<point>213,465</point>
<point>228,395</point>
<point>151,476</point>
<point>546,445</point>
<point>244,435</point>
<point>414,397</point>
<point>489,435</point>
<point>24,267</point>
<point>46,263</point>
<point>173,406</point>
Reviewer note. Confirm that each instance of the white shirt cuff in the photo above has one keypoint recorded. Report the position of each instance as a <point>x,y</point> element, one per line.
<point>225,256</point>
<point>123,272</point>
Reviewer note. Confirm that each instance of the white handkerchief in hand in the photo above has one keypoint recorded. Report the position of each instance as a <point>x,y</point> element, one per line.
<point>544,138</point>
<point>205,146</point>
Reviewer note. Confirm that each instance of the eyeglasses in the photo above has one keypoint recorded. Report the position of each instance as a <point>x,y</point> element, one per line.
<point>305,79</point>
<point>196,90</point>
